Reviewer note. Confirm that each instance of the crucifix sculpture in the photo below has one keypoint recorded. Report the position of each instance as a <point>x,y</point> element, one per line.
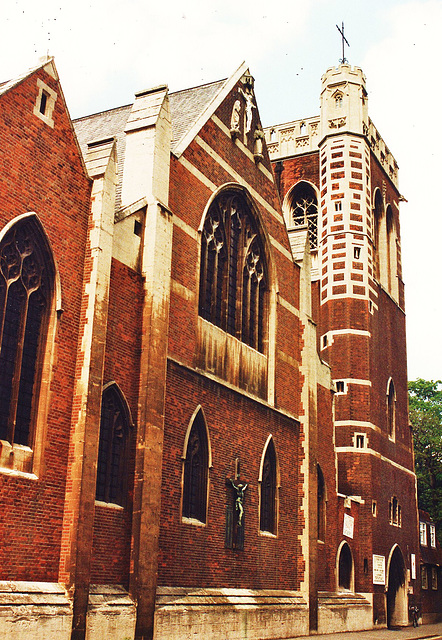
<point>235,511</point>
<point>344,42</point>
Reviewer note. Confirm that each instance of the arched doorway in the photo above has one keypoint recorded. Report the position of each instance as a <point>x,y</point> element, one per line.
<point>345,568</point>
<point>397,613</point>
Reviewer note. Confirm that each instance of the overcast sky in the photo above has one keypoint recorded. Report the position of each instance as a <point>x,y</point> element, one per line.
<point>106,50</point>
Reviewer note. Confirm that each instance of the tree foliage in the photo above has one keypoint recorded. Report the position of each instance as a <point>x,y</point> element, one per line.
<point>425,401</point>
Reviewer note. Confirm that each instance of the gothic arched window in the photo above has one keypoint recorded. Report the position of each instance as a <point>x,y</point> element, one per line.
<point>113,451</point>
<point>268,488</point>
<point>304,210</point>
<point>196,465</point>
<point>233,275</point>
<point>26,288</point>
<point>391,402</point>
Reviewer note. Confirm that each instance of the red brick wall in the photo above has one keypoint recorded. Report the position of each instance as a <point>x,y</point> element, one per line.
<point>43,165</point>
<point>238,427</point>
<point>112,526</point>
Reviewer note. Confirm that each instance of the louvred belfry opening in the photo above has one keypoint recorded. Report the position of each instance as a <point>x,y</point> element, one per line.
<point>233,281</point>
<point>26,283</point>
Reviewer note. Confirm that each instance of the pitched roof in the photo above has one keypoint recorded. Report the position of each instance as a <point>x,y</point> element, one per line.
<point>185,108</point>
<point>9,84</point>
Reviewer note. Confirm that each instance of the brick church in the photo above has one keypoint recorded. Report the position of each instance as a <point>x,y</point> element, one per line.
<point>203,385</point>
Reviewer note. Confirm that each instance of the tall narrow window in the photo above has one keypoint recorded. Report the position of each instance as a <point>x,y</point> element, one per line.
<point>196,465</point>
<point>26,289</point>
<point>391,402</point>
<point>378,240</point>
<point>304,210</point>
<point>321,504</point>
<point>113,449</point>
<point>267,520</point>
<point>233,281</point>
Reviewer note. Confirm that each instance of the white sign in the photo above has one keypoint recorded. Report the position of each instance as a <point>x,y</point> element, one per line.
<point>349,523</point>
<point>378,569</point>
<point>413,566</point>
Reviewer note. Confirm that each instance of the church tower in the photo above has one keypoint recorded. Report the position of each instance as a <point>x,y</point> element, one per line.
<point>339,181</point>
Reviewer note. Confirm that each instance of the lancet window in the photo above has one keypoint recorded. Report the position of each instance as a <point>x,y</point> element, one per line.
<point>321,501</point>
<point>233,276</point>
<point>304,211</point>
<point>196,466</point>
<point>268,487</point>
<point>391,406</point>
<point>26,289</point>
<point>113,449</point>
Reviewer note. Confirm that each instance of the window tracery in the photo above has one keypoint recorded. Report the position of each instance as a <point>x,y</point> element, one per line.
<point>26,285</point>
<point>233,282</point>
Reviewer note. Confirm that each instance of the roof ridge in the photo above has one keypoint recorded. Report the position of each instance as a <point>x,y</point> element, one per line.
<point>102,113</point>
<point>198,86</point>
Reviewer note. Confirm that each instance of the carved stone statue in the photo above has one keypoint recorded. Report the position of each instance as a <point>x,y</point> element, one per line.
<point>235,118</point>
<point>248,97</point>
<point>258,146</point>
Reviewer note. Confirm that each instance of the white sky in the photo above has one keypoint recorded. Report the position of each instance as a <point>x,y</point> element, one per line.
<point>106,50</point>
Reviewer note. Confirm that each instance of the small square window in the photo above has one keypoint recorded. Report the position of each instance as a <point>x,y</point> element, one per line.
<point>45,103</point>
<point>360,440</point>
<point>137,228</point>
<point>340,386</point>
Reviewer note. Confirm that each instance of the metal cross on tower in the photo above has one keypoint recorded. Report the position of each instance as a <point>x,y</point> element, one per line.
<point>344,42</point>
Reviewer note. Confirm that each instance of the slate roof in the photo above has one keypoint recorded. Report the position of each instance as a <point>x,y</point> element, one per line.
<point>185,108</point>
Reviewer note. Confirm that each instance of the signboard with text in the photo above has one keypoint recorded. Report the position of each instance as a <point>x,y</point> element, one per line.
<point>349,523</point>
<point>378,569</point>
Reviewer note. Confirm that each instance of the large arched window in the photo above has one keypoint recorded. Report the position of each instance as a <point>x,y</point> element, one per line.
<point>391,408</point>
<point>345,568</point>
<point>233,274</point>
<point>268,490</point>
<point>27,276</point>
<point>113,451</point>
<point>196,466</point>
<point>304,210</point>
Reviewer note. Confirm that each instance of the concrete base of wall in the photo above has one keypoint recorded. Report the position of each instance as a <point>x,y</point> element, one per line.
<point>111,613</point>
<point>340,612</point>
<point>37,610</point>
<point>237,614</point>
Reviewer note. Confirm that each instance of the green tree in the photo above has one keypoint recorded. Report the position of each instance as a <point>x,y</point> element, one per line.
<point>425,401</point>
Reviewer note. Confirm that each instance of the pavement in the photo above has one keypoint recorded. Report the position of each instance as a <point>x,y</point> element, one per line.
<point>428,631</point>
